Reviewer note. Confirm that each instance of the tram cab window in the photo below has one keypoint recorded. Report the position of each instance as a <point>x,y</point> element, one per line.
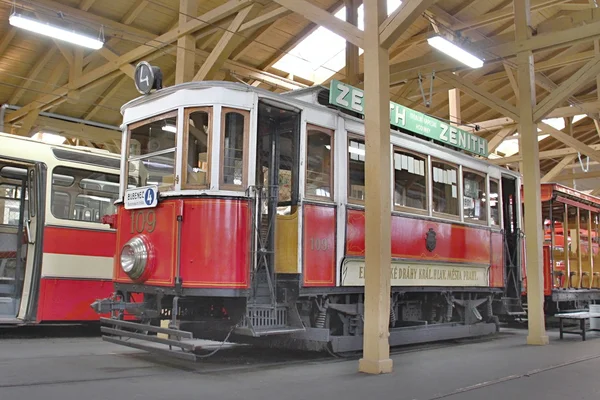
<point>356,169</point>
<point>410,180</point>
<point>83,195</point>
<point>445,188</point>
<point>197,136</point>
<point>152,151</point>
<point>474,197</point>
<point>319,144</point>
<point>234,142</point>
<point>494,202</point>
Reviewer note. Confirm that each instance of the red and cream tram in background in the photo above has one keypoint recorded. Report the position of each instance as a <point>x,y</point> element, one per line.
<point>247,218</point>
<point>571,272</point>
<point>55,252</point>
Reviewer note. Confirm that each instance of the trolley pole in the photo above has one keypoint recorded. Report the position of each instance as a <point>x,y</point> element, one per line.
<point>378,257</point>
<point>531,180</point>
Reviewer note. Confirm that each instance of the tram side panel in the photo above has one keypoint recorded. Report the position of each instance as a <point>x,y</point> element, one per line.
<point>76,271</point>
<point>463,253</point>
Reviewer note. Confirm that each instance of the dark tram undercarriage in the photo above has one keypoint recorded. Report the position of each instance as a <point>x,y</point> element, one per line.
<point>311,320</point>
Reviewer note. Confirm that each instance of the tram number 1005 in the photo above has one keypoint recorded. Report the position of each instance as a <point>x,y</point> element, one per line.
<point>143,220</point>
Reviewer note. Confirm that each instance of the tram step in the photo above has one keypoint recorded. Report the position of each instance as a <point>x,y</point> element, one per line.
<point>268,319</point>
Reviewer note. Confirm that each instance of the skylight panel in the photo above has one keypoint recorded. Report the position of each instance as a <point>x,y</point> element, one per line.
<point>320,55</point>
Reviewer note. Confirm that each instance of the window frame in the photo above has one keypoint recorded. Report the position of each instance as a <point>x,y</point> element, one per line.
<point>455,217</point>
<point>331,133</point>
<point>74,190</point>
<point>352,136</point>
<point>130,127</point>
<point>245,150</point>
<point>185,140</point>
<point>486,191</point>
<point>409,209</point>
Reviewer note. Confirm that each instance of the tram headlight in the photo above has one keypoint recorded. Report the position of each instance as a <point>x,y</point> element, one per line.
<point>135,255</point>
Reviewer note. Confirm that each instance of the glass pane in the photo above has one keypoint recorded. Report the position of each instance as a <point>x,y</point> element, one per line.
<point>89,197</point>
<point>233,149</point>
<point>198,138</point>
<point>153,170</point>
<point>445,188</point>
<point>573,246</point>
<point>356,163</point>
<point>474,197</point>
<point>584,245</point>
<point>318,165</point>
<point>558,251</point>
<point>153,136</point>
<point>595,252</point>
<point>10,203</point>
<point>495,202</point>
<point>410,180</point>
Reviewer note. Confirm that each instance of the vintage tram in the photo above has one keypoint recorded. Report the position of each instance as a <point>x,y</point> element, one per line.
<point>571,260</point>
<point>247,221</point>
<point>55,252</point>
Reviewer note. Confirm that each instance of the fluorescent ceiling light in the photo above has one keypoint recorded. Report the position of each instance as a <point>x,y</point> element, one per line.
<point>54,32</point>
<point>454,51</point>
<point>169,128</point>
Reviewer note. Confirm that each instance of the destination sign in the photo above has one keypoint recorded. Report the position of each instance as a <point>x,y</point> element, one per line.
<point>407,274</point>
<point>351,98</point>
<point>144,197</point>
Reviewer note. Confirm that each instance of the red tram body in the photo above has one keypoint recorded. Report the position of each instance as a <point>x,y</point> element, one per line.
<point>571,277</point>
<point>241,215</point>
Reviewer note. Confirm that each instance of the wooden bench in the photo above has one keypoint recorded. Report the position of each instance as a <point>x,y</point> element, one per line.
<point>582,317</point>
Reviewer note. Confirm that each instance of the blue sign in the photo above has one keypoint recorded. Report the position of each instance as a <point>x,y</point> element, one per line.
<point>149,197</point>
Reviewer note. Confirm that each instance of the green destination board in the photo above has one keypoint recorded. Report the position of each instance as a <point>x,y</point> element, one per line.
<point>351,98</point>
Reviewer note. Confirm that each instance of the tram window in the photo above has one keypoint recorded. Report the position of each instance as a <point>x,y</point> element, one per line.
<point>445,188</point>
<point>10,210</point>
<point>318,162</point>
<point>494,202</point>
<point>152,151</point>
<point>89,197</point>
<point>197,136</point>
<point>234,141</point>
<point>356,169</point>
<point>474,197</point>
<point>410,180</point>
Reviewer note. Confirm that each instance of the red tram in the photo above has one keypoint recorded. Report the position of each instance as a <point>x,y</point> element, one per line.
<point>247,221</point>
<point>572,271</point>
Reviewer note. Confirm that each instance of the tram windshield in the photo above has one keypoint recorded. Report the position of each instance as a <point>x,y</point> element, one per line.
<point>151,155</point>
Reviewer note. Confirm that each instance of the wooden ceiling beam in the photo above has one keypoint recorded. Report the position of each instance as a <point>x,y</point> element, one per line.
<point>226,44</point>
<point>32,75</point>
<point>134,11</point>
<point>558,168</point>
<point>585,74</point>
<point>499,137</point>
<point>86,5</point>
<point>400,20</point>
<point>543,155</point>
<point>112,89</point>
<point>322,17</point>
<point>577,175</point>
<point>570,141</point>
<point>481,95</point>
<point>150,47</point>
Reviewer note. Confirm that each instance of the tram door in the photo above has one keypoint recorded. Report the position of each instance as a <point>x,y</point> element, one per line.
<point>277,160</point>
<point>15,224</point>
<point>512,237</point>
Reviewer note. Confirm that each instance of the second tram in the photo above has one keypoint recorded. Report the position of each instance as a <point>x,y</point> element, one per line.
<point>55,252</point>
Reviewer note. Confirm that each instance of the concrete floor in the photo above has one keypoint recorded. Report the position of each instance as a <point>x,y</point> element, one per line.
<point>503,368</point>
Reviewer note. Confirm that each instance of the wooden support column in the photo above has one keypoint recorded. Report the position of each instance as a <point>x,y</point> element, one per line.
<point>531,180</point>
<point>454,106</point>
<point>378,259</point>
<point>186,45</point>
<point>352,68</point>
